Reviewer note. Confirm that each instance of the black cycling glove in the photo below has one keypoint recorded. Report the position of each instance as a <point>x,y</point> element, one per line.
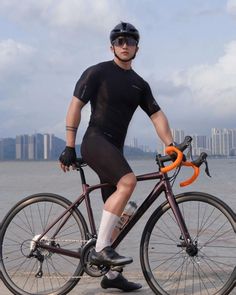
<point>173,155</point>
<point>68,156</point>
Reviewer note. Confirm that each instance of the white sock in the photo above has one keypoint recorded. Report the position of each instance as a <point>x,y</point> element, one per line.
<point>107,225</point>
<point>112,274</point>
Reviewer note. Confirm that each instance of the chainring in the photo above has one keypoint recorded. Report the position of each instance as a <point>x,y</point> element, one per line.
<point>91,269</point>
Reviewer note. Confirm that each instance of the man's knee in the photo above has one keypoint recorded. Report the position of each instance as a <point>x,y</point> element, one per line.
<point>127,182</point>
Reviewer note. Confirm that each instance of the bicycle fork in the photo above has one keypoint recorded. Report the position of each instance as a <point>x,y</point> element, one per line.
<point>185,238</point>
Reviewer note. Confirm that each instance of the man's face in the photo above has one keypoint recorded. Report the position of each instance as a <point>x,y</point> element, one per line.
<point>125,47</point>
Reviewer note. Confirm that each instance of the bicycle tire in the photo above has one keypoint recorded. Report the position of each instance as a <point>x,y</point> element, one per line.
<point>27,219</point>
<point>167,267</point>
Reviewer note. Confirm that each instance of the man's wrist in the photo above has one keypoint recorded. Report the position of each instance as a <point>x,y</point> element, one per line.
<point>173,144</point>
<point>70,147</point>
<point>70,143</point>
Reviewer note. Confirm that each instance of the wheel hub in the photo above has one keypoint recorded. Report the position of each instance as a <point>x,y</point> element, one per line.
<point>43,241</point>
<point>192,250</point>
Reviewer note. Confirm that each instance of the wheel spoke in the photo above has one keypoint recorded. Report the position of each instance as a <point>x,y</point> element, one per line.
<point>24,224</point>
<point>169,269</point>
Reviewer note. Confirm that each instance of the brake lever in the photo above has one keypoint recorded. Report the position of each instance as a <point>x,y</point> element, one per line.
<point>189,155</point>
<point>207,168</point>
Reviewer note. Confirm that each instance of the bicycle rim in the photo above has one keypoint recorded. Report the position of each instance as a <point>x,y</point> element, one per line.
<point>25,222</point>
<point>166,265</point>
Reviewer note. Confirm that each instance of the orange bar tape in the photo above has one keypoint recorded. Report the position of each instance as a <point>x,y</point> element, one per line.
<point>194,176</point>
<point>169,150</point>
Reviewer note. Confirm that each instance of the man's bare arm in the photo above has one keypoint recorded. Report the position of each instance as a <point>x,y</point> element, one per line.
<point>162,127</point>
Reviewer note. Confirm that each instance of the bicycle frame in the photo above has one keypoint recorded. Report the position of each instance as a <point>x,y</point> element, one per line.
<point>163,185</point>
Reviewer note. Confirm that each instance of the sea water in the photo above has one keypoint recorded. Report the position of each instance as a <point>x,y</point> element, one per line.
<point>21,179</point>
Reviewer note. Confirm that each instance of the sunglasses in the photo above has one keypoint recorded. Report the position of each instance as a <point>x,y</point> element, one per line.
<point>129,41</point>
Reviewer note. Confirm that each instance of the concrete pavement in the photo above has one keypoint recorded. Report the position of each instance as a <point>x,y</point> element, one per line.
<point>91,286</point>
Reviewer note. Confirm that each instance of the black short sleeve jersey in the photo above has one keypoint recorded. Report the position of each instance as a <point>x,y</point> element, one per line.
<point>114,94</point>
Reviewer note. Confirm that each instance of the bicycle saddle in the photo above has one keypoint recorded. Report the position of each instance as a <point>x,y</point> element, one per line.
<point>80,163</point>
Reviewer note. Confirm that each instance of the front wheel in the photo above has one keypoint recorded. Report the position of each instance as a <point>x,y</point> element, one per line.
<point>169,269</point>
<point>43,272</point>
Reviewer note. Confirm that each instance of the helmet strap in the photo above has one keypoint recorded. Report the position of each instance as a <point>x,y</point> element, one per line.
<point>124,60</point>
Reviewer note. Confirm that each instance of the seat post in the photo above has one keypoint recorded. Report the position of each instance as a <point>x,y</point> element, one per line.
<point>82,175</point>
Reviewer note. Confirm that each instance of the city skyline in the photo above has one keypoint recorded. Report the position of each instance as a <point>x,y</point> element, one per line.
<point>222,142</point>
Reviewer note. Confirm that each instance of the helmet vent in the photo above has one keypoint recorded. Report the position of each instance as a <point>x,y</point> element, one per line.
<point>124,26</point>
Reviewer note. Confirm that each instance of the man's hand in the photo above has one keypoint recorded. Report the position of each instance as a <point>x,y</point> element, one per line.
<point>67,158</point>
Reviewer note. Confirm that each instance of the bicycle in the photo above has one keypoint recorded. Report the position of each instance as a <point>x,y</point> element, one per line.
<point>187,246</point>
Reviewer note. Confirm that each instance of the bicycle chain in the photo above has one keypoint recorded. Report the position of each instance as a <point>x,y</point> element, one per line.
<point>58,240</point>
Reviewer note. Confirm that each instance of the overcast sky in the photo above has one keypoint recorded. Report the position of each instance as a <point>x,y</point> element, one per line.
<point>187,54</point>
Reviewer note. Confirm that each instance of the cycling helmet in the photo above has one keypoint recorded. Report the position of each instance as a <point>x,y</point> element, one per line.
<point>124,29</point>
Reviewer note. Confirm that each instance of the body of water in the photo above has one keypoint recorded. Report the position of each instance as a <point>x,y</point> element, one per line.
<point>20,179</point>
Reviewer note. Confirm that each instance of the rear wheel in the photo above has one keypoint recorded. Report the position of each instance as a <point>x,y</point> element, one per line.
<point>167,265</point>
<point>43,272</point>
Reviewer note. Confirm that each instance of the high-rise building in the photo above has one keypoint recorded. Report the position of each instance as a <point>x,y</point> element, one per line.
<point>22,147</point>
<point>46,146</point>
<point>232,142</point>
<point>199,144</point>
<point>39,148</point>
<point>34,147</point>
<point>31,147</point>
<point>48,143</point>
<point>1,149</point>
<point>178,135</point>
<point>223,141</point>
<point>216,147</point>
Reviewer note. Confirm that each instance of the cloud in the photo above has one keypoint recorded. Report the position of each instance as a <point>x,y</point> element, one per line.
<point>17,63</point>
<point>27,11</point>
<point>15,57</point>
<point>213,86</point>
<point>72,14</point>
<point>36,85</point>
<point>231,7</point>
<point>91,14</point>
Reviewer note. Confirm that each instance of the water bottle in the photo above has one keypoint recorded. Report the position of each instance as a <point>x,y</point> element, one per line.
<point>128,212</point>
<point>125,217</point>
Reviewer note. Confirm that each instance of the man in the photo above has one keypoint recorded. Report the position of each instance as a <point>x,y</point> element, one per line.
<point>114,90</point>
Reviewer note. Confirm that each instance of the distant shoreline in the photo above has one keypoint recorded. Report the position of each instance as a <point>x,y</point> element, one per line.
<point>130,157</point>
